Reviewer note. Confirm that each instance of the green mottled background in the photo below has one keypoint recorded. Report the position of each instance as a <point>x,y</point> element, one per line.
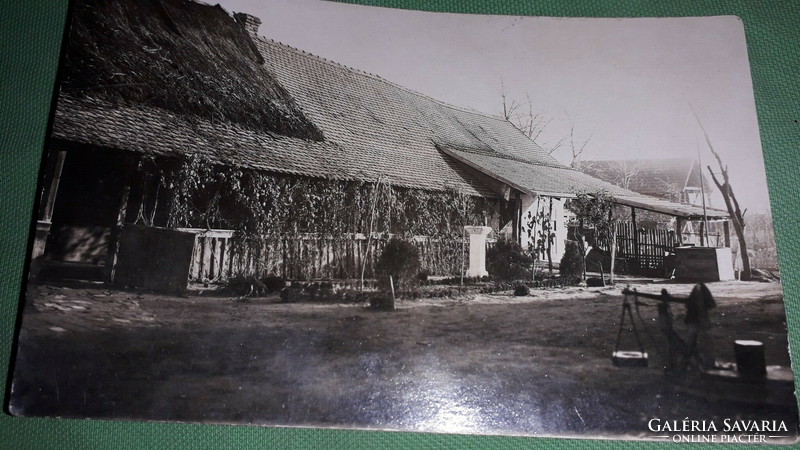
<point>30,35</point>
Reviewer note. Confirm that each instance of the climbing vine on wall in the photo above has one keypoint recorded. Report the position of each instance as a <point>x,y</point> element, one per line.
<point>201,194</point>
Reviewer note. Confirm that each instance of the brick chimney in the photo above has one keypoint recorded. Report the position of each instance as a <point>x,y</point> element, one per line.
<point>250,23</point>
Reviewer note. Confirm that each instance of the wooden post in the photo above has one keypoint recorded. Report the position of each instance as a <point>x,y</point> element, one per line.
<point>703,238</point>
<point>390,305</point>
<point>516,219</point>
<point>129,163</point>
<point>613,245</point>
<point>727,230</point>
<point>679,230</point>
<point>635,229</point>
<point>46,212</point>
<point>46,205</point>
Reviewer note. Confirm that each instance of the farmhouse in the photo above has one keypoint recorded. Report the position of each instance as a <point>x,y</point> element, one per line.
<point>182,138</point>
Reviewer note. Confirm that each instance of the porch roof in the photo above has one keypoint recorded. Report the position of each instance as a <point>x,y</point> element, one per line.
<point>564,182</point>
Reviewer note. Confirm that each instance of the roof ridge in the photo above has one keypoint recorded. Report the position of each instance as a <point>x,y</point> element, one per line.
<point>510,157</point>
<point>678,158</point>
<point>380,78</point>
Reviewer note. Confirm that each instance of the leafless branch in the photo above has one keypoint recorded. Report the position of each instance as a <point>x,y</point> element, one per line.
<point>732,204</point>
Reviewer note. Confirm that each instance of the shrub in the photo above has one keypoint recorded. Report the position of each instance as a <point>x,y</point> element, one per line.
<point>290,295</point>
<point>507,261</point>
<point>381,303</point>
<point>572,261</point>
<point>521,290</point>
<point>274,283</point>
<point>245,286</point>
<point>400,259</point>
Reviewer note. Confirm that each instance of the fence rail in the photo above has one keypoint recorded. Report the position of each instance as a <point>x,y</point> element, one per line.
<point>221,254</point>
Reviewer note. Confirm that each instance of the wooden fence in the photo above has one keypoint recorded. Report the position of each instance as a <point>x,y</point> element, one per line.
<point>220,254</point>
<point>642,251</point>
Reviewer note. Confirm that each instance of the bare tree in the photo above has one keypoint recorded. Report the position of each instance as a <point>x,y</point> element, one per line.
<point>624,174</point>
<point>627,175</point>
<point>576,148</point>
<point>523,117</point>
<point>671,191</point>
<point>737,215</point>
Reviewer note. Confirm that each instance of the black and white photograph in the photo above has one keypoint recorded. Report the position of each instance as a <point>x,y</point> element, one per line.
<point>301,213</point>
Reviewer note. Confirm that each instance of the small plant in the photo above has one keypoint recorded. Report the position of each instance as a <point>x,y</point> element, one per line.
<point>246,286</point>
<point>572,262</point>
<point>400,259</point>
<point>507,261</point>
<point>521,290</point>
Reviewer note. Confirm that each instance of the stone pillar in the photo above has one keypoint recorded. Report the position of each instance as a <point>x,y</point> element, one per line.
<point>477,250</point>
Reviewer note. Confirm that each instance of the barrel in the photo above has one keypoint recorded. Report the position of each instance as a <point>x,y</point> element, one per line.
<point>750,361</point>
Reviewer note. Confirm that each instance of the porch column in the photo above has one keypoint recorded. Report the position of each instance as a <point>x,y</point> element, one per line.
<point>46,207</point>
<point>477,250</point>
<point>727,230</point>
<point>516,224</point>
<point>679,230</point>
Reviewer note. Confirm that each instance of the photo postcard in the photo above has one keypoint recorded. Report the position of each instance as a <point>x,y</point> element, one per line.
<point>311,214</point>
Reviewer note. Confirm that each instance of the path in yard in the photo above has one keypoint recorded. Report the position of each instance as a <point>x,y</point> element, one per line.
<point>493,364</point>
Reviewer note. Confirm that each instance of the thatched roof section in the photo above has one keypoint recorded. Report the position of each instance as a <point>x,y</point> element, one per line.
<point>185,57</point>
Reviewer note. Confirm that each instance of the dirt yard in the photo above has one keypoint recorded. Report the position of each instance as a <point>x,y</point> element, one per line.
<point>537,365</point>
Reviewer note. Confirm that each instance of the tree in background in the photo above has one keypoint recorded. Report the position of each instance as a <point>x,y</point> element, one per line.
<point>731,203</point>
<point>594,210</point>
<point>522,116</point>
<point>761,236</point>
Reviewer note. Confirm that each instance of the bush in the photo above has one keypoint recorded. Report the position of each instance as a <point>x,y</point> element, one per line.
<point>274,283</point>
<point>290,295</point>
<point>245,286</point>
<point>507,261</point>
<point>381,303</point>
<point>521,290</point>
<point>572,261</point>
<point>400,259</point>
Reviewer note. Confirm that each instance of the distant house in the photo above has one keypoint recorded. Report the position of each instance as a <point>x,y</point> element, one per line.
<point>677,179</point>
<point>177,117</point>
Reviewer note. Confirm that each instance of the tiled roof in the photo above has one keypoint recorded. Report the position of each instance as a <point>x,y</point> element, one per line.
<point>648,176</point>
<point>563,181</point>
<point>154,131</point>
<point>372,128</point>
<point>393,128</point>
<point>361,110</point>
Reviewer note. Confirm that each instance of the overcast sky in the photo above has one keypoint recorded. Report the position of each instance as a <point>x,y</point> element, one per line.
<point>624,84</point>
